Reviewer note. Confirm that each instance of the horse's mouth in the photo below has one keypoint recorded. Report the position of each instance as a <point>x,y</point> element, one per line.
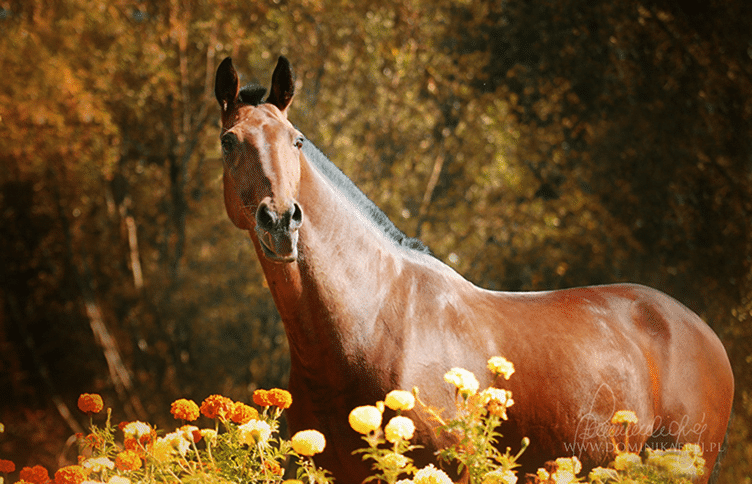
<point>279,246</point>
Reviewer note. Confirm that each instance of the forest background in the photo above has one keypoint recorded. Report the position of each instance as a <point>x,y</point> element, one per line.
<point>530,145</point>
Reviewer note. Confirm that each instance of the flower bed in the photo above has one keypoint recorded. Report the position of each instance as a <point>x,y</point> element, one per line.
<point>244,446</point>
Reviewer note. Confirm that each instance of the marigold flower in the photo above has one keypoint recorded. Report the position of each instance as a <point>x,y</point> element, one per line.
<point>191,433</point>
<point>500,477</point>
<point>394,460</point>
<point>463,380</point>
<point>127,460</point>
<point>162,450</point>
<point>496,401</point>
<point>501,366</point>
<point>624,417</point>
<point>179,441</point>
<point>274,467</point>
<point>90,403</point>
<point>276,397</point>
<point>365,419</point>
<point>70,475</point>
<point>184,409</point>
<point>98,464</point>
<point>569,464</point>
<point>35,475</point>
<point>602,474</point>
<point>254,432</point>
<point>308,442</point>
<point>431,475</point>
<point>399,400</point>
<point>136,429</point>
<point>399,428</point>
<point>242,413</point>
<point>7,466</point>
<point>209,434</point>
<point>626,460</point>
<point>216,406</point>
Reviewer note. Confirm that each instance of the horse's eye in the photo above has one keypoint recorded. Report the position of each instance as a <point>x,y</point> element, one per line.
<point>299,142</point>
<point>228,141</point>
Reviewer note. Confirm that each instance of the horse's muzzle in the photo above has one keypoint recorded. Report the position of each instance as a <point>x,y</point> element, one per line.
<point>278,233</point>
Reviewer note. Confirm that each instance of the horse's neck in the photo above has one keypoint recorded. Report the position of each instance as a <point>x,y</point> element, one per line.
<point>329,299</point>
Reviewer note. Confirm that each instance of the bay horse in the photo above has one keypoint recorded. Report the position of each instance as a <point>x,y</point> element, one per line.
<point>367,310</point>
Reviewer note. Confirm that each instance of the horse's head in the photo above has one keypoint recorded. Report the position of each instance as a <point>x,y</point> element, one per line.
<point>262,156</point>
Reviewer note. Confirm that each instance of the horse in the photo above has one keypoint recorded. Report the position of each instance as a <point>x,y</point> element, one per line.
<point>367,309</point>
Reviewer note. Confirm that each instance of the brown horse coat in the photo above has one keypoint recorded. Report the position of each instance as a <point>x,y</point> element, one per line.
<point>365,314</point>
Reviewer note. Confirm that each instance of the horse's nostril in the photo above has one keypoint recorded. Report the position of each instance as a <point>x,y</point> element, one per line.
<point>296,217</point>
<point>265,218</point>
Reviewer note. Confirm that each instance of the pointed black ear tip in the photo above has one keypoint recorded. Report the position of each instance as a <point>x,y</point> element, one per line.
<point>226,83</point>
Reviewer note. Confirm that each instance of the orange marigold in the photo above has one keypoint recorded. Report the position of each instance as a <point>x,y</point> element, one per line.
<point>275,397</point>
<point>216,406</point>
<point>35,475</point>
<point>7,466</point>
<point>242,413</point>
<point>70,475</point>
<point>184,409</point>
<point>127,460</point>
<point>90,403</point>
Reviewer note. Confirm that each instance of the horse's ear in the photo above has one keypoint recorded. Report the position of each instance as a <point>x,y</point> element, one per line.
<point>226,85</point>
<point>283,85</point>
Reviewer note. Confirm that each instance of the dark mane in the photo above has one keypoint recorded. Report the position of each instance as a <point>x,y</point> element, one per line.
<point>366,206</point>
<point>251,94</point>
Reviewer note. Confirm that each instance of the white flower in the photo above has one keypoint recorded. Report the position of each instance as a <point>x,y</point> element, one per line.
<point>254,432</point>
<point>464,380</point>
<point>400,400</point>
<point>431,475</point>
<point>365,419</point>
<point>501,366</point>
<point>399,428</point>
<point>136,429</point>
<point>98,464</point>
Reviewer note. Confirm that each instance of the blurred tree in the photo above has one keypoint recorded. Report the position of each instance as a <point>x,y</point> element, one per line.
<point>530,145</point>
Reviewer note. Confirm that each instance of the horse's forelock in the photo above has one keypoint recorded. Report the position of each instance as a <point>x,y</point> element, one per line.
<point>252,94</point>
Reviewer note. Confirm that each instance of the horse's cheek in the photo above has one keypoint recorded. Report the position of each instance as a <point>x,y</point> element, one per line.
<point>233,205</point>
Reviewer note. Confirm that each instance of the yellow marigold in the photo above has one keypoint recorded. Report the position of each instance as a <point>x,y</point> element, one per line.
<point>624,417</point>
<point>500,477</point>
<point>98,464</point>
<point>365,419</point>
<point>496,401</point>
<point>431,475</point>
<point>216,406</point>
<point>242,413</point>
<point>501,366</point>
<point>569,464</point>
<point>162,450</point>
<point>308,442</point>
<point>399,400</point>
<point>276,397</point>
<point>35,475</point>
<point>254,432</point>
<point>399,428</point>
<point>70,475</point>
<point>394,460</point>
<point>184,409</point>
<point>136,429</point>
<point>127,460</point>
<point>209,434</point>
<point>626,460</point>
<point>463,380</point>
<point>602,474</point>
<point>90,403</point>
